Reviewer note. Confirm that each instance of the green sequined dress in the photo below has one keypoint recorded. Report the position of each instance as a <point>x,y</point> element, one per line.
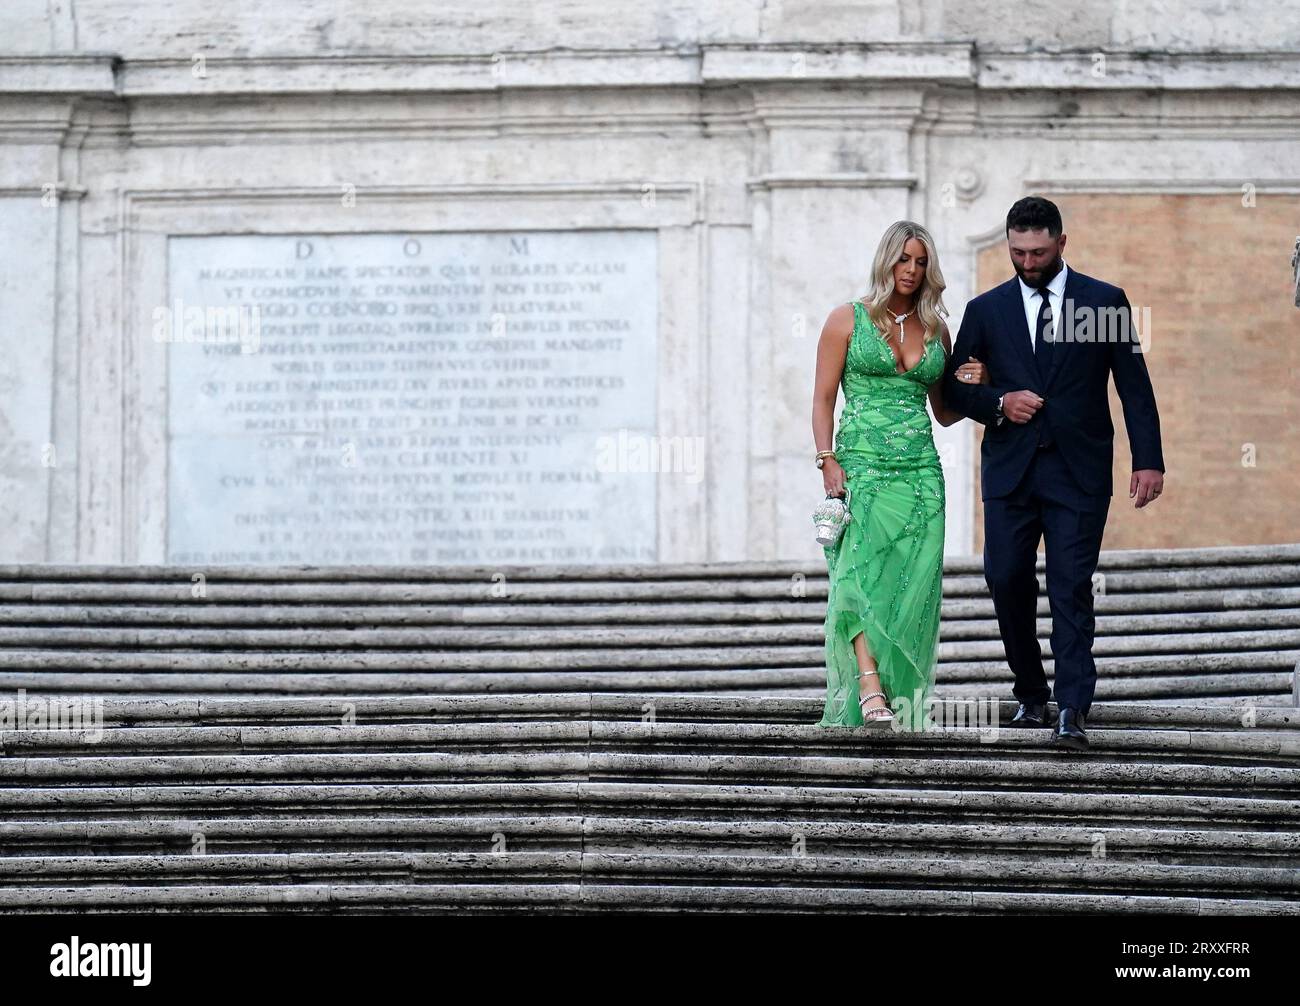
<point>886,570</point>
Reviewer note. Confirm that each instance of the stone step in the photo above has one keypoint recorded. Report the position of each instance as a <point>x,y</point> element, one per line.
<point>1138,638</point>
<point>1140,559</point>
<point>954,740</point>
<point>496,586</point>
<point>1095,775</point>
<point>840,800</point>
<point>589,898</point>
<point>903,766</point>
<point>1225,675</point>
<point>1132,658</point>
<point>1008,874</point>
<point>1150,610</point>
<point>471,834</point>
<point>681,707</point>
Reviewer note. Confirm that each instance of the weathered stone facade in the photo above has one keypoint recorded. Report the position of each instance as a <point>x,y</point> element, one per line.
<point>766,145</point>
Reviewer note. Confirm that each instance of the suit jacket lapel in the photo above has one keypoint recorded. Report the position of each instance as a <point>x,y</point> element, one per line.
<point>1017,326</point>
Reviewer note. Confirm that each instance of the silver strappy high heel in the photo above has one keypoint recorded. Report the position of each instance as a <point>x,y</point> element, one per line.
<point>882,715</point>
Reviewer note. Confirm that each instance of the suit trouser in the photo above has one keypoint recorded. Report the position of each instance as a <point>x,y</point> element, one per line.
<point>1047,503</point>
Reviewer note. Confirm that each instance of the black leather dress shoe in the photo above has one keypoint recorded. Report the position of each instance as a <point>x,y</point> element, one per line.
<point>1068,732</point>
<point>1030,714</point>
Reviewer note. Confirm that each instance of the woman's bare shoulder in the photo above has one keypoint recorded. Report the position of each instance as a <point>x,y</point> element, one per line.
<point>841,320</point>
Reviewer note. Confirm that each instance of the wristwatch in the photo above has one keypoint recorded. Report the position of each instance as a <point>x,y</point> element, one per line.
<point>998,411</point>
<point>822,456</point>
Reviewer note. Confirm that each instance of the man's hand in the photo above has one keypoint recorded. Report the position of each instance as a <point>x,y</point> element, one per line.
<point>1020,406</point>
<point>1146,484</point>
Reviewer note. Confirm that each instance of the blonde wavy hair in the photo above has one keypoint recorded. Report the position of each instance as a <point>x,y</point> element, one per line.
<point>929,300</point>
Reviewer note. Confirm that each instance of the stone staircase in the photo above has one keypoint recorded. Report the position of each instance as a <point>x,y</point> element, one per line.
<point>577,740</point>
<point>1209,625</point>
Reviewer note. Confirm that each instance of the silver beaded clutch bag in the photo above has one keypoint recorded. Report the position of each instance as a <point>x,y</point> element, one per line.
<point>830,517</point>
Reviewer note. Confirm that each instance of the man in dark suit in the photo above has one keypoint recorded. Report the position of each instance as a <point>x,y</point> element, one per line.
<point>1051,337</point>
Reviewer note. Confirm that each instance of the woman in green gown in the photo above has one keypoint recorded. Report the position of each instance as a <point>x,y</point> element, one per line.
<point>888,351</point>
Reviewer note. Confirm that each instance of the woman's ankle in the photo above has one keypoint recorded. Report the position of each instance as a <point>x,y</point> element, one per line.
<point>876,701</point>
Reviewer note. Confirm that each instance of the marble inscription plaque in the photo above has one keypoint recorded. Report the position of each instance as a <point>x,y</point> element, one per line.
<point>411,399</point>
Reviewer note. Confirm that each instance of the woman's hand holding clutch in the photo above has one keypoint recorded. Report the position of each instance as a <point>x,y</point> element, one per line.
<point>833,477</point>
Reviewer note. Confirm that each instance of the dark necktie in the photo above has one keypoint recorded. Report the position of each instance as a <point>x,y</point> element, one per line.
<point>1043,334</point>
<point>1043,346</point>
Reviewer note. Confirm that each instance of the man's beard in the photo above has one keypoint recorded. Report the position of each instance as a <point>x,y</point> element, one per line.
<point>1045,275</point>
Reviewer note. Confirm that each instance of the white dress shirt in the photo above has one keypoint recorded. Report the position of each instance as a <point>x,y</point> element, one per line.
<point>1034,303</point>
